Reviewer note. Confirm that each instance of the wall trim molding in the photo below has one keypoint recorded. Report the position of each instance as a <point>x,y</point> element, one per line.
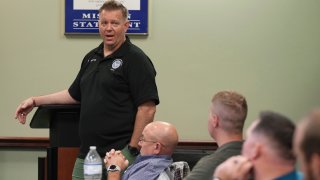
<point>24,142</point>
<point>43,143</point>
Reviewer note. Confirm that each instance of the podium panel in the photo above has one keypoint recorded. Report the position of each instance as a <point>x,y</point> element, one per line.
<point>62,121</point>
<point>64,129</point>
<point>66,159</point>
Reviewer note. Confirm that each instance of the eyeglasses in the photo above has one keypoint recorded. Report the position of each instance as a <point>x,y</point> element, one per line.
<point>143,140</point>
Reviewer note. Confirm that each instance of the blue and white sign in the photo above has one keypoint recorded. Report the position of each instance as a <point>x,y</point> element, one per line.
<point>81,16</point>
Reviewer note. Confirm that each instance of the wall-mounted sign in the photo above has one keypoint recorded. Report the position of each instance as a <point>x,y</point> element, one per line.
<point>81,16</point>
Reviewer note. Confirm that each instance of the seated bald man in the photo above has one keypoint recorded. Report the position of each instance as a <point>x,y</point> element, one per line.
<point>158,142</point>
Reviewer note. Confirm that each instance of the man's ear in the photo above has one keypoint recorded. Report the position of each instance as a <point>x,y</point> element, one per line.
<point>126,24</point>
<point>157,148</point>
<point>214,119</point>
<point>256,151</point>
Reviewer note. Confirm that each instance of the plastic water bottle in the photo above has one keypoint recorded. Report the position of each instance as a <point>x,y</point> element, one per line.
<point>92,165</point>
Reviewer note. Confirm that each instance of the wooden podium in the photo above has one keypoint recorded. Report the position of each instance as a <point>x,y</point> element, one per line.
<point>62,121</point>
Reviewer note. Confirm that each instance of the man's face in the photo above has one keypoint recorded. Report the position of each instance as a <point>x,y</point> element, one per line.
<point>306,167</point>
<point>112,28</point>
<point>211,123</point>
<point>250,142</point>
<point>146,143</point>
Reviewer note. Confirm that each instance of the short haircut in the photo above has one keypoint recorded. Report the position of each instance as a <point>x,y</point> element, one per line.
<point>231,107</point>
<point>279,130</point>
<point>310,143</point>
<point>112,5</point>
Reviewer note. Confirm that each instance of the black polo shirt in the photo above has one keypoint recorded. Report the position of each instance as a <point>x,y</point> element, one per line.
<point>110,89</point>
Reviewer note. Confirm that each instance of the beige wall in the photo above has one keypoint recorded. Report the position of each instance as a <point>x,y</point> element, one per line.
<point>19,164</point>
<point>268,50</point>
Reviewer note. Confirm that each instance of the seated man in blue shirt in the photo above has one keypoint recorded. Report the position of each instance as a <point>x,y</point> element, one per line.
<point>158,142</point>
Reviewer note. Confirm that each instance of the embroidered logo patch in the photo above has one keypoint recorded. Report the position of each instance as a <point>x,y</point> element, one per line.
<point>91,60</point>
<point>116,63</point>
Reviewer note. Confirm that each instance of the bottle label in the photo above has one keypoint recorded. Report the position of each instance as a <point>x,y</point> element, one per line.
<point>91,169</point>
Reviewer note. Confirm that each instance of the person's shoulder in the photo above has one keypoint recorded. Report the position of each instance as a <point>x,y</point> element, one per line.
<point>215,157</point>
<point>205,160</point>
<point>231,146</point>
<point>136,56</point>
<point>300,175</point>
<point>136,51</point>
<point>208,157</point>
<point>204,168</point>
<point>95,50</point>
<point>227,152</point>
<point>221,154</point>
<point>91,54</point>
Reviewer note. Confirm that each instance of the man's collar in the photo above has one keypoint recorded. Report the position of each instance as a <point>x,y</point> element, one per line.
<point>121,51</point>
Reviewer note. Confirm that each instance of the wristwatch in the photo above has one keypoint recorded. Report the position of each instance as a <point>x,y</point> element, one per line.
<point>113,168</point>
<point>133,150</point>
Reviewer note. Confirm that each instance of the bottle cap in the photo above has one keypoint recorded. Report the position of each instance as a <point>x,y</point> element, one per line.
<point>93,147</point>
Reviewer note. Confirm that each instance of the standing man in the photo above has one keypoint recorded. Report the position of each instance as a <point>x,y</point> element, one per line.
<point>116,89</point>
<point>227,115</point>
